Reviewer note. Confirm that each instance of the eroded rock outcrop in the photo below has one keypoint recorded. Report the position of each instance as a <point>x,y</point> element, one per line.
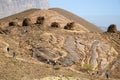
<point>69,26</point>
<point>40,20</point>
<point>112,28</point>
<point>74,46</point>
<point>55,25</point>
<point>78,49</point>
<point>26,22</point>
<point>13,23</point>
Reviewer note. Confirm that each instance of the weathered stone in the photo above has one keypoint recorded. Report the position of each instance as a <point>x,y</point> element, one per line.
<point>53,39</point>
<point>112,28</point>
<point>40,20</point>
<point>26,22</point>
<point>13,24</point>
<point>70,47</point>
<point>94,55</point>
<point>4,31</point>
<point>66,61</point>
<point>55,25</point>
<point>69,26</point>
<point>104,63</point>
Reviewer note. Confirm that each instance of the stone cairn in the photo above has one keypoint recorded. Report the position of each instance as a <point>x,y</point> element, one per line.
<point>26,22</point>
<point>40,20</point>
<point>69,26</point>
<point>112,28</point>
<point>13,23</point>
<point>55,25</point>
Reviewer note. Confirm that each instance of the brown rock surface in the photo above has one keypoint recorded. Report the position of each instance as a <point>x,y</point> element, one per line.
<point>41,43</point>
<point>114,40</point>
<point>112,28</point>
<point>26,22</point>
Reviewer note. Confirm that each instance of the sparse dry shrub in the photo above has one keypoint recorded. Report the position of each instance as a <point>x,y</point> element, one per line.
<point>112,28</point>
<point>55,25</point>
<point>26,22</point>
<point>13,23</point>
<point>57,67</point>
<point>69,26</point>
<point>71,74</point>
<point>40,20</point>
<point>87,67</point>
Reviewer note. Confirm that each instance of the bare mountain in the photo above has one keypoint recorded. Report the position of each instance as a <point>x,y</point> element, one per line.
<point>46,42</point>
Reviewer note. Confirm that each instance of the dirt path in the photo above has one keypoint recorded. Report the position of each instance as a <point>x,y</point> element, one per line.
<point>24,60</point>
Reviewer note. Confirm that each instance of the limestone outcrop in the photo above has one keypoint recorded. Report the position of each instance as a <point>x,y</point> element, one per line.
<point>75,46</point>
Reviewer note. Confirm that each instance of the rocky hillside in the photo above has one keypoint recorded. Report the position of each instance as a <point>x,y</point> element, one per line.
<point>47,36</point>
<point>113,36</point>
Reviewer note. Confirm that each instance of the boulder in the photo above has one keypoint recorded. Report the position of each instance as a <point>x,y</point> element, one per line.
<point>40,20</point>
<point>112,28</point>
<point>26,22</point>
<point>69,26</point>
<point>13,23</point>
<point>55,25</point>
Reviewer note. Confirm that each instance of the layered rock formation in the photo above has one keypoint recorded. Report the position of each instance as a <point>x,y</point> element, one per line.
<point>65,46</point>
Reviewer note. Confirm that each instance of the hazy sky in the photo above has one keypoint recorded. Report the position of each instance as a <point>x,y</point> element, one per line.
<point>10,7</point>
<point>100,12</point>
